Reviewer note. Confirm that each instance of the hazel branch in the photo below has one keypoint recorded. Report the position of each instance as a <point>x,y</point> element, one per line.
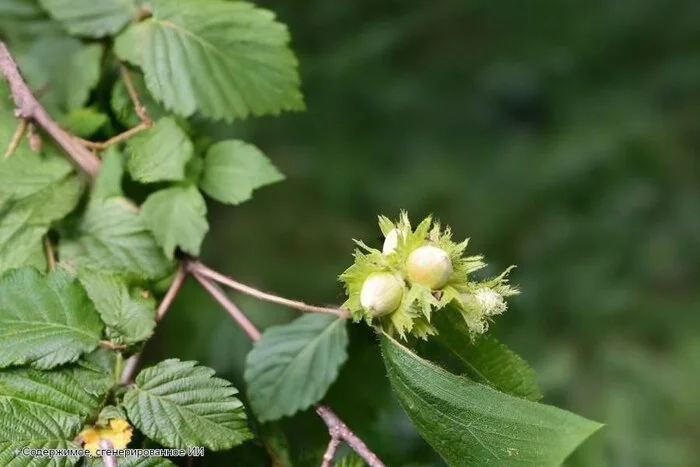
<point>337,429</point>
<point>28,108</point>
<point>198,268</point>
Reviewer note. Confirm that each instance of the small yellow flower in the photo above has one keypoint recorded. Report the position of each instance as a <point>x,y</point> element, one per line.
<point>118,432</point>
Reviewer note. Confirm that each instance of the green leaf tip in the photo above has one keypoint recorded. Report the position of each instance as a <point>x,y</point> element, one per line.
<point>435,272</point>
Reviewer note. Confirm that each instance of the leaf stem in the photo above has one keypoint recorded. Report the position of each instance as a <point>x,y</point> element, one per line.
<point>139,108</point>
<point>118,367</point>
<point>111,345</point>
<point>50,253</point>
<point>98,146</point>
<point>197,268</point>
<point>16,137</point>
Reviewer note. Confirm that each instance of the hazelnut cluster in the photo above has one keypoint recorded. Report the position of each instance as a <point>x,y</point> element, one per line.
<point>418,272</point>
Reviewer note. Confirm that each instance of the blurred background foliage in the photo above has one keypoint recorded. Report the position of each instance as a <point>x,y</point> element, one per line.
<point>561,136</point>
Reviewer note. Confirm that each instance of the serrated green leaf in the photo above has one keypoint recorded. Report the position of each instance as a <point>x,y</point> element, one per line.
<point>130,318</point>
<point>45,320</point>
<point>112,238</point>
<point>485,359</point>
<point>27,425</point>
<point>65,65</point>
<point>469,423</point>
<point>233,169</point>
<point>35,191</point>
<point>224,59</point>
<point>84,121</point>
<point>108,183</point>
<point>28,172</point>
<point>177,216</point>
<point>21,245</point>
<point>159,153</point>
<point>24,222</point>
<point>179,405</point>
<point>101,359</point>
<point>96,18</point>
<point>77,389</point>
<point>292,366</point>
<point>50,204</point>
<point>132,462</point>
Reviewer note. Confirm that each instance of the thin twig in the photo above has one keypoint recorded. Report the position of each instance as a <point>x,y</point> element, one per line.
<point>99,146</point>
<point>172,292</point>
<point>229,306</point>
<point>16,137</point>
<point>28,108</point>
<point>139,108</point>
<point>108,461</point>
<point>132,363</point>
<point>198,268</point>
<point>50,253</point>
<point>333,445</point>
<point>337,426</point>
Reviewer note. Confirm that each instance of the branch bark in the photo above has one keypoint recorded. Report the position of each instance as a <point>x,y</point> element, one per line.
<point>333,445</point>
<point>28,108</point>
<point>340,429</point>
